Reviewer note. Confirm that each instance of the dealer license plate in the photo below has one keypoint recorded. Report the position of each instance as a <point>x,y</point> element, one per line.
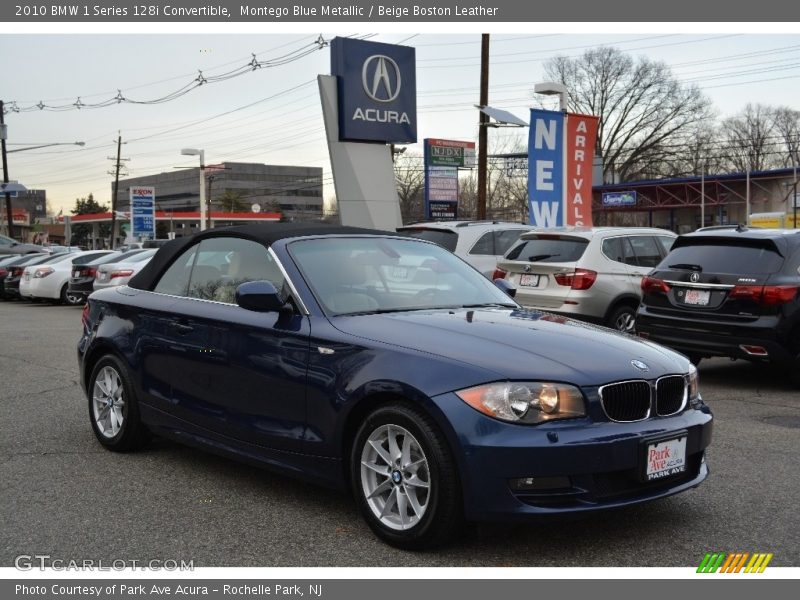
<point>665,459</point>
<point>697,297</point>
<point>529,280</point>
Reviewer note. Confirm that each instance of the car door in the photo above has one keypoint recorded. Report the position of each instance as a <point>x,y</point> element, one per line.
<point>235,372</point>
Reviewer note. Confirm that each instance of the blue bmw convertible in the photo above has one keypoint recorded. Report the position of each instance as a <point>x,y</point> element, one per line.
<point>385,365</point>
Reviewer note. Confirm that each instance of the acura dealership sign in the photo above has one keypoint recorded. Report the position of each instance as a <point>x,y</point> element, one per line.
<point>377,91</point>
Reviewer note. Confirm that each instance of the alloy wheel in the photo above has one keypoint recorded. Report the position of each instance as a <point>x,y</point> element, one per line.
<point>395,478</point>
<point>108,402</point>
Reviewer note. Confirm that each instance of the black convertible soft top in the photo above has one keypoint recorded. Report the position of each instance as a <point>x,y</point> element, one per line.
<point>264,233</point>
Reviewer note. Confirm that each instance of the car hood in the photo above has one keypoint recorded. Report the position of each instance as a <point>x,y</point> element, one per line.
<point>520,344</point>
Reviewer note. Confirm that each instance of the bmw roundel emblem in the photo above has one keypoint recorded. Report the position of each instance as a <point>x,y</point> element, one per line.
<point>640,365</point>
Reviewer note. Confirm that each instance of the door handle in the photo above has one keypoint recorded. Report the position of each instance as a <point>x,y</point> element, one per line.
<point>182,328</point>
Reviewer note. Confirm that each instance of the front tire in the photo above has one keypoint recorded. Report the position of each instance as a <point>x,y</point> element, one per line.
<point>113,407</point>
<point>404,478</point>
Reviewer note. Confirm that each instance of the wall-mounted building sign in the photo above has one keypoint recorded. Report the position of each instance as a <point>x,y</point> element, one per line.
<point>377,91</point>
<point>619,198</point>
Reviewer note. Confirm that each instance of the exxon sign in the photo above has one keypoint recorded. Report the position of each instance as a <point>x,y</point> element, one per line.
<point>377,91</point>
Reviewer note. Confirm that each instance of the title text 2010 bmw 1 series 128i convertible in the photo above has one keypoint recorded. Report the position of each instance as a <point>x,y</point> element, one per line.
<point>365,360</point>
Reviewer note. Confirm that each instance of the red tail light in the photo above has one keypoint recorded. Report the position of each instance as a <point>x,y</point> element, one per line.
<point>123,273</point>
<point>16,271</point>
<point>499,274</point>
<point>91,272</point>
<point>3,273</point>
<point>767,295</point>
<point>580,279</point>
<point>651,285</point>
<point>85,316</point>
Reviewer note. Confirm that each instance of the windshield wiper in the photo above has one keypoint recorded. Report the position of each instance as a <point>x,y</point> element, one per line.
<point>489,304</point>
<point>697,268</point>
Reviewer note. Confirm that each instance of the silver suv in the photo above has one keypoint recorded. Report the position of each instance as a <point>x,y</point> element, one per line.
<point>480,243</point>
<point>591,274</point>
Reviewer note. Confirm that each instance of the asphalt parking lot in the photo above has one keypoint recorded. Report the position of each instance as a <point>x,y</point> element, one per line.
<point>65,496</point>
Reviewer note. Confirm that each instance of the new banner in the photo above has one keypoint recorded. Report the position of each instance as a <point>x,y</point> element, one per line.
<point>546,168</point>
<point>143,212</point>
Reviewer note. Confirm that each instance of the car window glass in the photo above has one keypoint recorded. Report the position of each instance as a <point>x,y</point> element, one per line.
<point>443,237</point>
<point>612,248</point>
<point>222,264</point>
<point>727,258</point>
<point>666,242</point>
<point>356,275</point>
<point>88,257</point>
<point>485,245</point>
<point>549,248</point>
<point>503,240</point>
<point>175,279</point>
<point>646,250</point>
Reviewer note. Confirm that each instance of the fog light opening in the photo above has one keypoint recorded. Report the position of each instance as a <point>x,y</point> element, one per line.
<point>540,484</point>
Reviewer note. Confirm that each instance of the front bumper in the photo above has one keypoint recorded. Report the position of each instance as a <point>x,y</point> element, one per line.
<point>583,466</point>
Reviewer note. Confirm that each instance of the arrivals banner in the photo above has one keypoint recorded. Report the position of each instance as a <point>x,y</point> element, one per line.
<point>560,157</point>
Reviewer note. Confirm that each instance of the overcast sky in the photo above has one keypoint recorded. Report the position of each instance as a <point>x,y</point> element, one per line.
<point>273,115</point>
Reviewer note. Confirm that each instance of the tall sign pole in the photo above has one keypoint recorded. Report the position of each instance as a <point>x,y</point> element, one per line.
<point>483,126</point>
<point>116,190</point>
<point>9,215</point>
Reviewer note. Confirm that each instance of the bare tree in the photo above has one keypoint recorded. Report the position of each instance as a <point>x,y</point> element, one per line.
<point>787,126</point>
<point>645,112</point>
<point>698,154</point>
<point>409,172</point>
<point>750,139</point>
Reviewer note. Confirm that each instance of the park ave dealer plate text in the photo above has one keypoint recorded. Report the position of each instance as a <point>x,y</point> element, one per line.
<point>665,458</point>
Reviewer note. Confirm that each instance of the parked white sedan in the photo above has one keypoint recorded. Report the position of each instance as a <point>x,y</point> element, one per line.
<point>50,279</point>
<point>114,274</point>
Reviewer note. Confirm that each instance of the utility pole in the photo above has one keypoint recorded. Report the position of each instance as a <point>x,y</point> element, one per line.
<point>9,212</point>
<point>115,173</point>
<point>483,126</point>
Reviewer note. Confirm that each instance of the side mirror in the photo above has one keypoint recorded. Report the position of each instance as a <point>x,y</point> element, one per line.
<point>506,287</point>
<point>259,296</point>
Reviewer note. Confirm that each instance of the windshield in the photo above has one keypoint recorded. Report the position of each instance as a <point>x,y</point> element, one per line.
<point>375,274</point>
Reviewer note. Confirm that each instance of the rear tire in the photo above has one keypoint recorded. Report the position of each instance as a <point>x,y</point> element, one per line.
<point>623,319</point>
<point>114,408</point>
<point>405,479</point>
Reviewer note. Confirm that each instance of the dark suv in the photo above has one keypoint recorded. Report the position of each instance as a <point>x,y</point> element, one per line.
<point>727,293</point>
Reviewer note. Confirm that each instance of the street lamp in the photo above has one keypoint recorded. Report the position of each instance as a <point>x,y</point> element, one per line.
<point>37,146</point>
<point>552,88</point>
<point>201,154</point>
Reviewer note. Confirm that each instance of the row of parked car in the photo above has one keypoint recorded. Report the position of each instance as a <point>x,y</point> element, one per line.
<point>68,277</point>
<point>723,291</point>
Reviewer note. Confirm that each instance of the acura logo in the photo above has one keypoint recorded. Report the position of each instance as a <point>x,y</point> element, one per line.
<point>694,277</point>
<point>640,365</point>
<point>379,83</point>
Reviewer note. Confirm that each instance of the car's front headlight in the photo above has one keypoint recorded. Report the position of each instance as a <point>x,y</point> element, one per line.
<point>693,381</point>
<point>526,402</point>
